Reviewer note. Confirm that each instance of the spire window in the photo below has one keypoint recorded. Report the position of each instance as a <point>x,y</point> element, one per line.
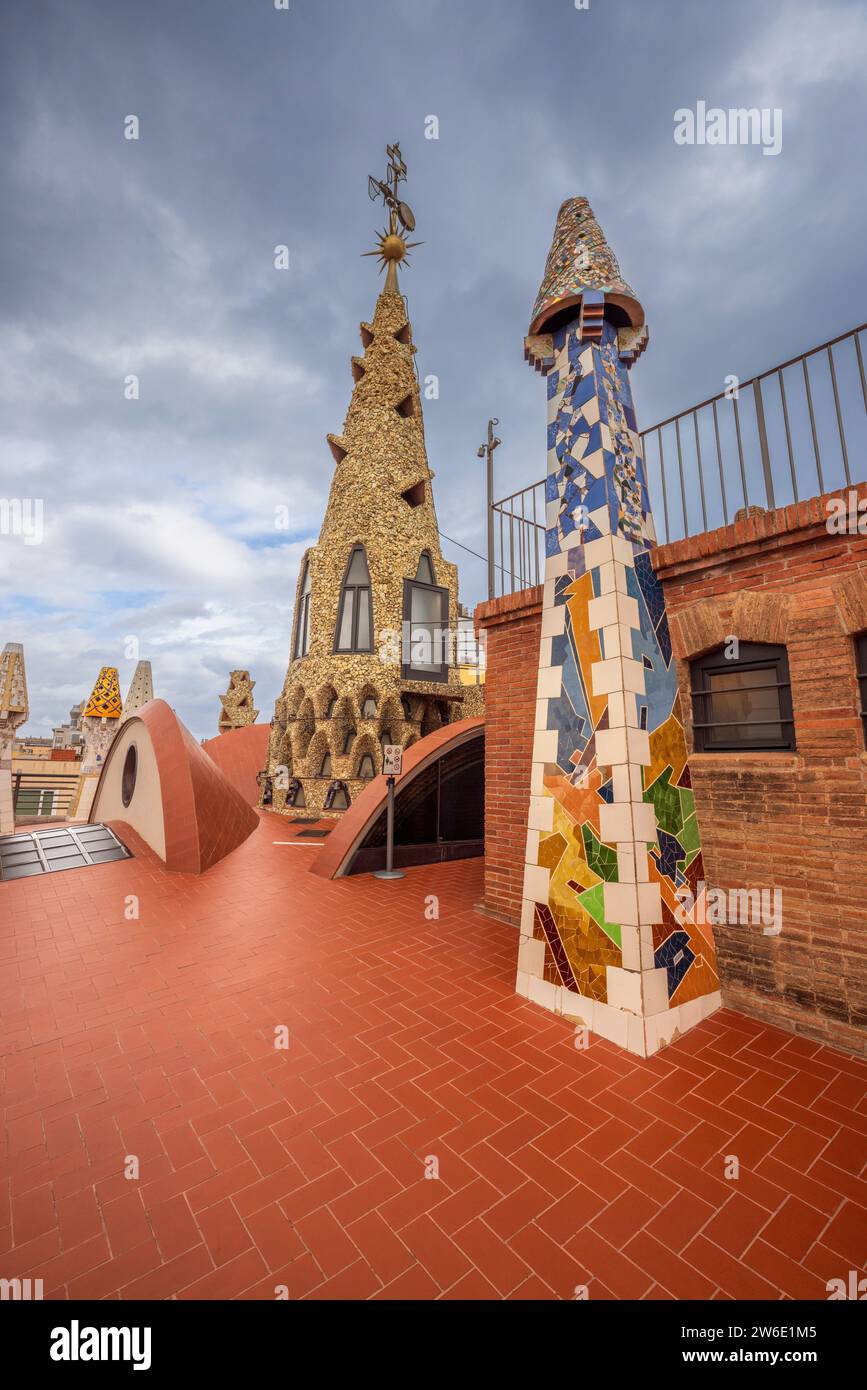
<point>302,617</point>
<point>355,618</point>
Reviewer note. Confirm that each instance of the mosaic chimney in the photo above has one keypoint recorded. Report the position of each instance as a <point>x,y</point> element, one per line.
<point>612,928</point>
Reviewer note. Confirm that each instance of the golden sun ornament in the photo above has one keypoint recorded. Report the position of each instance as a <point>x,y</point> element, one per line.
<point>392,248</point>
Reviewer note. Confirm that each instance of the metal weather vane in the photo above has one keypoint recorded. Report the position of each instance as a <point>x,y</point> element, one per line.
<point>393,246</point>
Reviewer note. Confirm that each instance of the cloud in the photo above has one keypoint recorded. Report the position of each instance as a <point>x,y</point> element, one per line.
<point>258,127</point>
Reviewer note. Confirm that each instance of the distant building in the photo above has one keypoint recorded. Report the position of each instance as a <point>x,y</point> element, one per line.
<point>32,748</point>
<point>70,735</point>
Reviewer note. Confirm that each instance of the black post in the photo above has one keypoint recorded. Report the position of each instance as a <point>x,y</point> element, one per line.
<point>487,451</point>
<point>389,871</point>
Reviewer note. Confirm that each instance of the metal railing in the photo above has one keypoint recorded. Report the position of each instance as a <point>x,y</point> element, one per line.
<point>518,533</point>
<point>43,795</point>
<point>780,437</point>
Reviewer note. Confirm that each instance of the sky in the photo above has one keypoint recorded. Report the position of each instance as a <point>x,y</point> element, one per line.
<point>258,127</point>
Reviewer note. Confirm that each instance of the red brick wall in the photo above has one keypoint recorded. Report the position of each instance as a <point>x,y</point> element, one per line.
<point>794,821</point>
<point>512,625</point>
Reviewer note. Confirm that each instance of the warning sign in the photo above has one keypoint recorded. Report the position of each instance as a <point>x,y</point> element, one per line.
<point>392,759</point>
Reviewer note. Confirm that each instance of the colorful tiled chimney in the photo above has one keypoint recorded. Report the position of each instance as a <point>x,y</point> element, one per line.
<point>611,932</point>
<point>14,709</point>
<point>101,719</point>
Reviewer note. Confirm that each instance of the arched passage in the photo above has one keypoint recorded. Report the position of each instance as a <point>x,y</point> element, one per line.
<point>439,808</point>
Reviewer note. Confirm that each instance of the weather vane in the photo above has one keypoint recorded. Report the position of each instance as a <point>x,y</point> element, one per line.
<point>393,246</point>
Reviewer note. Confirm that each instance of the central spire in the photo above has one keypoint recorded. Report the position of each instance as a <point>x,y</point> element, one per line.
<point>393,246</point>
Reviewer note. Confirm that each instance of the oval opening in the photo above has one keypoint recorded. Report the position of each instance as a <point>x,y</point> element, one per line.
<point>130,769</point>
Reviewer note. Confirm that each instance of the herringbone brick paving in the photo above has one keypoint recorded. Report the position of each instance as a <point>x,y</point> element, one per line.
<point>408,1052</point>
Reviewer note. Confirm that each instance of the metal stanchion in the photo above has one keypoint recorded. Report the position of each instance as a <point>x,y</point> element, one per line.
<point>392,766</point>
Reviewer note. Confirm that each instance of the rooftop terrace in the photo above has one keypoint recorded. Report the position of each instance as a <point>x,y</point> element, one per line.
<point>306,1167</point>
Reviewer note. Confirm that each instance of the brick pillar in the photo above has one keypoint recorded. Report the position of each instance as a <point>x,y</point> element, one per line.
<point>511,625</point>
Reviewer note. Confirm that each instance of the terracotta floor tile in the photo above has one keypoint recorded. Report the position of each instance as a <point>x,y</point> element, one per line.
<point>847,1150</point>
<point>627,1279</point>
<point>625,1216</point>
<point>679,1220</point>
<point>789,1277</point>
<point>126,1222</point>
<point>386,1254</point>
<point>474,1199</point>
<point>303,1171</point>
<point>736,1224</point>
<point>173,1225</point>
<point>794,1228</point>
<point>327,1242</point>
<point>737,1279</point>
<point>414,1285</point>
<point>680,1279</point>
<point>500,1263</point>
<point>473,1286</point>
<point>580,1205</point>
<point>847,1233</point>
<point>532,1290</point>
<point>510,1213</point>
<point>434,1250</point>
<point>224,1232</point>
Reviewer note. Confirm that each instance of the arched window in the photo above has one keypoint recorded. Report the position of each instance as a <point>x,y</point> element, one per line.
<point>742,701</point>
<point>355,617</point>
<point>348,741</point>
<point>295,793</point>
<point>302,617</point>
<point>366,768</point>
<point>337,797</point>
<point>425,625</point>
<point>368,709</point>
<point>424,574</point>
<point>325,769</point>
<point>332,705</point>
<point>385,737</point>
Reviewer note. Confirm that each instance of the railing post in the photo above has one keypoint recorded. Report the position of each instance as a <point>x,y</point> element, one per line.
<point>487,451</point>
<point>763,443</point>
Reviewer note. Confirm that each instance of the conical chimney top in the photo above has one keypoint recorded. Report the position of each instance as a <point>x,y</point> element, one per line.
<point>581,261</point>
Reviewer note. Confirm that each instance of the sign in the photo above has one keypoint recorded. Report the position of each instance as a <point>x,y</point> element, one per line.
<point>392,759</point>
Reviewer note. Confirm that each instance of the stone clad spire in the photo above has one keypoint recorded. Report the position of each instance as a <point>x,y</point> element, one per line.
<point>352,684</point>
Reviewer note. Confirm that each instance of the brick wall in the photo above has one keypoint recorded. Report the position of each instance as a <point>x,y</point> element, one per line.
<point>512,625</point>
<point>795,821</point>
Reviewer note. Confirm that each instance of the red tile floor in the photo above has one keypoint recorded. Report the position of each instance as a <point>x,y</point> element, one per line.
<point>305,1167</point>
